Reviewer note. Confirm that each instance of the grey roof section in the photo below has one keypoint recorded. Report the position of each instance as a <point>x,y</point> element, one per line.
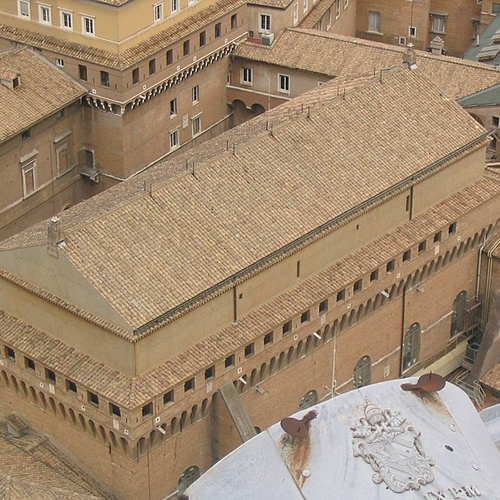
<point>486,97</point>
<point>374,443</point>
<point>487,45</point>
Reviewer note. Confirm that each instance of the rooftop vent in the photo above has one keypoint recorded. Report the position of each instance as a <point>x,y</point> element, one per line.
<point>488,53</point>
<point>437,46</point>
<point>55,233</point>
<point>410,58</point>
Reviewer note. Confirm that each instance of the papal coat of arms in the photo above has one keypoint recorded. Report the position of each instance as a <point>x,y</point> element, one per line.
<point>393,448</point>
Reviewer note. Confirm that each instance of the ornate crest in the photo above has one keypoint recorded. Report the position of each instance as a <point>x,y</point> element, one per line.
<point>393,448</point>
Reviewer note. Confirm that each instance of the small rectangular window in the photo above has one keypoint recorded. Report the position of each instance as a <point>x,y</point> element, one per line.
<point>412,32</point>
<point>298,269</point>
<point>174,6</point>
<point>284,84</point>
<point>229,361</point>
<point>374,275</point>
<point>247,76</point>
<point>24,8</point>
<point>29,363</point>
<point>26,134</point>
<point>323,306</point>
<point>147,409</point>
<point>170,56</point>
<point>203,38</point>
<point>217,30</point>
<point>174,139</point>
<point>268,338</point>
<point>496,121</point>
<point>341,295</point>
<point>210,372</point>
<point>422,246</point>
<point>66,20</point>
<point>195,94</point>
<point>374,21</point>
<point>50,375</point>
<point>408,203</point>
<point>168,397</point>
<point>357,286</point>
<point>265,23</point>
<point>390,266</point>
<point>135,76</point>
<point>407,256</point>
<point>10,354</point>
<point>173,107</point>
<point>305,316</point>
<point>88,25</point>
<point>152,67</point>
<point>189,385</point>
<point>452,228</point>
<point>249,350</point>
<point>60,114</point>
<point>185,48</point>
<point>234,21</point>
<point>70,386</point>
<point>295,13</point>
<point>158,12</point>
<point>437,237</point>
<point>196,126</point>
<point>93,398</point>
<point>82,72</point>
<point>287,328</point>
<point>104,78</point>
<point>59,62</point>
<point>115,410</point>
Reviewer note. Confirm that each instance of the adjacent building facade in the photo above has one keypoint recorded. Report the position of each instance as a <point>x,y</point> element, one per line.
<point>277,265</point>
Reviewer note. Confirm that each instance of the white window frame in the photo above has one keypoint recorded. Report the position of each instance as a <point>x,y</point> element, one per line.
<point>59,62</point>
<point>88,25</point>
<point>295,15</point>
<point>265,23</point>
<point>247,76</point>
<point>283,83</point>
<point>329,18</point>
<point>196,120</point>
<point>410,29</point>
<point>374,27</point>
<point>174,6</point>
<point>337,9</point>
<point>62,17</point>
<point>438,23</point>
<point>25,168</point>
<point>174,139</point>
<point>195,94</point>
<point>158,12</point>
<point>173,107</point>
<point>346,4</point>
<point>44,8</point>
<point>26,3</point>
<point>305,5</point>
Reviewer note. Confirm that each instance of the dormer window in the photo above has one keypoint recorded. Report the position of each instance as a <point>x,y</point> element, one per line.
<point>16,82</point>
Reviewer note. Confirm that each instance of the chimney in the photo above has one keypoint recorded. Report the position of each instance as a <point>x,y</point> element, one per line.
<point>437,46</point>
<point>410,58</point>
<point>55,235</point>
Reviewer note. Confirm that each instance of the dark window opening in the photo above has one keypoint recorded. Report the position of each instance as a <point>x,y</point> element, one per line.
<point>170,56</point>
<point>104,78</point>
<point>217,30</point>
<point>229,361</point>
<point>422,246</point>
<point>93,398</point>
<point>26,134</point>
<point>189,385</point>
<point>82,72</point>
<point>29,363</point>
<point>185,48</point>
<point>437,237</point>
<point>452,228</point>
<point>305,316</point>
<point>407,256</point>
<point>234,21</point>
<point>268,338</point>
<point>9,352</point>
<point>152,66</point>
<point>390,266</point>
<point>323,306</point>
<point>210,372</point>
<point>115,410</point>
<point>203,38</point>
<point>135,76</point>
<point>50,375</point>
<point>70,386</point>
<point>374,275</point>
<point>357,286</point>
<point>147,409</point>
<point>341,295</point>
<point>249,350</point>
<point>168,397</point>
<point>287,328</point>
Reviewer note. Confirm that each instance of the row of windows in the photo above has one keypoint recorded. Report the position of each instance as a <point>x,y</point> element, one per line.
<point>283,81</point>
<point>65,17</point>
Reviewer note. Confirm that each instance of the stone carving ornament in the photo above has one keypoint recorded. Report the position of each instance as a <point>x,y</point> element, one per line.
<point>392,447</point>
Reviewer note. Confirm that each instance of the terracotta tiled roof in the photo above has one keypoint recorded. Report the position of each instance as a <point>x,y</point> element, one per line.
<point>31,467</point>
<point>333,55</point>
<point>131,56</point>
<point>148,253</point>
<point>43,90</point>
<point>492,378</point>
<point>135,392</point>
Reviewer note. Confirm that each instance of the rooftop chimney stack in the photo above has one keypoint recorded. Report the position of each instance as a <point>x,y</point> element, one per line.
<point>437,46</point>
<point>410,58</point>
<point>55,233</point>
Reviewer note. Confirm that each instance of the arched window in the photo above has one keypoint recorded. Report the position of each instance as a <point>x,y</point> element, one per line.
<point>309,399</point>
<point>458,314</point>
<point>411,346</point>
<point>187,478</point>
<point>362,372</point>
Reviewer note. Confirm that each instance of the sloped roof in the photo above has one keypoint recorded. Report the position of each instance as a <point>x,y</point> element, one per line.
<point>43,91</point>
<point>133,392</point>
<point>485,42</point>
<point>31,467</point>
<point>334,55</point>
<point>147,253</point>
<point>135,54</point>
